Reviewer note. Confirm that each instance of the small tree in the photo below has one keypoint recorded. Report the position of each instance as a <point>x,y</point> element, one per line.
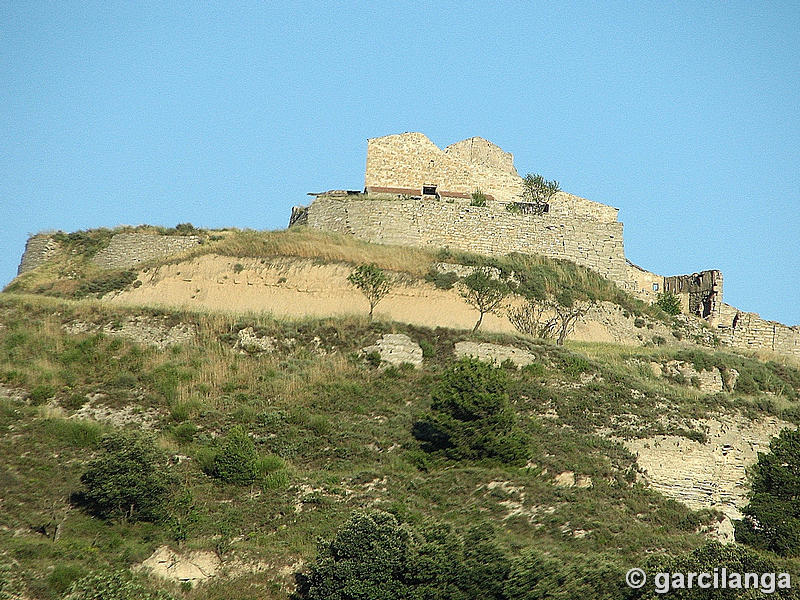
<point>471,416</point>
<point>129,478</point>
<point>373,283</point>
<point>669,303</point>
<point>549,318</point>
<point>537,190</point>
<point>772,518</point>
<point>478,198</point>
<point>483,292</point>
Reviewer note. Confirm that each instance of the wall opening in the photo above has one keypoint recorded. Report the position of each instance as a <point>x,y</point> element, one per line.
<point>655,287</point>
<point>429,190</point>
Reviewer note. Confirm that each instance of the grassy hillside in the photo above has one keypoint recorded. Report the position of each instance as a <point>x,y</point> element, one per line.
<point>334,433</point>
<point>72,274</point>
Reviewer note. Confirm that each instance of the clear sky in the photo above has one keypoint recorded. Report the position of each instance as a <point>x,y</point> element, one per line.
<point>682,114</point>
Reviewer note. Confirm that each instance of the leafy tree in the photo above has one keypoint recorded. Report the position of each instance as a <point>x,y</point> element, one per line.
<point>471,416</point>
<point>373,556</point>
<point>705,559</point>
<point>483,292</point>
<point>669,303</point>
<point>116,585</point>
<point>772,518</point>
<point>368,558</point>
<point>373,283</point>
<point>537,190</point>
<point>236,458</point>
<point>535,576</point>
<point>129,478</point>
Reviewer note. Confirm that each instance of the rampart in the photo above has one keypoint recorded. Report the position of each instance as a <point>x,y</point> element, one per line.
<point>127,250</point>
<point>490,229</point>
<point>748,330</point>
<point>38,250</point>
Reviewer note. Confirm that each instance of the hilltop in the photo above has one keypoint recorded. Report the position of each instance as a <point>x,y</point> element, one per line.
<point>638,443</point>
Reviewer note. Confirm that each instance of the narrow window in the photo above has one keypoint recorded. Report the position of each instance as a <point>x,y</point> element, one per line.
<point>655,287</point>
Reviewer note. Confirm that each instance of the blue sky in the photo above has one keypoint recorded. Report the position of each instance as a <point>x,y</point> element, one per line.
<point>684,115</point>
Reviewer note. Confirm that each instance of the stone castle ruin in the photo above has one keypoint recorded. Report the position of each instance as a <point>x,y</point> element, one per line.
<point>420,195</point>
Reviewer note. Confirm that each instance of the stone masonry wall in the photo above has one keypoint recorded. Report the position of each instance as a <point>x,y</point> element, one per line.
<point>748,330</point>
<point>38,250</point>
<point>488,230</point>
<point>411,160</point>
<point>478,151</point>
<point>127,250</point>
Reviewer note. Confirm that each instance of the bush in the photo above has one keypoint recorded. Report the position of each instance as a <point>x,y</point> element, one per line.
<point>235,461</point>
<point>772,518</point>
<point>128,479</point>
<point>471,417</point>
<point>41,394</point>
<point>478,198</point>
<point>116,585</point>
<point>638,322</point>
<point>105,283</point>
<point>669,303</point>
<point>374,556</point>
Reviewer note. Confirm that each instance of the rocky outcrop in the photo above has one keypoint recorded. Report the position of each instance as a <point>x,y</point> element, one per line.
<point>710,474</point>
<point>141,329</point>
<point>396,349</point>
<point>193,567</point>
<point>494,353</point>
<point>249,342</point>
<point>710,381</point>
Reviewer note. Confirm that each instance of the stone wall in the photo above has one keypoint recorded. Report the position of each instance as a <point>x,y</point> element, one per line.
<point>404,163</point>
<point>127,250</point>
<point>38,250</point>
<point>748,330</point>
<point>478,151</point>
<point>700,293</point>
<point>489,230</point>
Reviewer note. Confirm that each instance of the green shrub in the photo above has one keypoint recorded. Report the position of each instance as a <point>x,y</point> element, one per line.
<point>638,322</point>
<point>116,585</point>
<point>41,394</point>
<point>478,198</point>
<point>471,417</point>
<point>238,268</point>
<point>772,517</point>
<point>659,340</point>
<point>443,281</point>
<point>184,432</point>
<point>105,283</point>
<point>75,433</point>
<point>128,479</point>
<point>235,458</point>
<point>374,556</point>
<point>669,303</point>
<point>63,576</point>
<point>428,350</point>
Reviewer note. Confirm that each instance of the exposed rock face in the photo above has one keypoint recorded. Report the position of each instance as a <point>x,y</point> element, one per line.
<point>141,329</point>
<point>38,250</point>
<point>711,381</point>
<point>711,474</point>
<point>396,349</point>
<point>250,342</point>
<point>194,567</point>
<point>494,353</point>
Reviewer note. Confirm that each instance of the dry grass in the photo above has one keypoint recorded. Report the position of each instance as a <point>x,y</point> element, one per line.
<point>308,243</point>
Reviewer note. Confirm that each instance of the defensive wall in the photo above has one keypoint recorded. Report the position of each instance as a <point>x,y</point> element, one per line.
<point>124,251</point>
<point>490,229</point>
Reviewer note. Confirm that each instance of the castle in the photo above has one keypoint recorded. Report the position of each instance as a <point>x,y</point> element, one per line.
<point>420,195</point>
